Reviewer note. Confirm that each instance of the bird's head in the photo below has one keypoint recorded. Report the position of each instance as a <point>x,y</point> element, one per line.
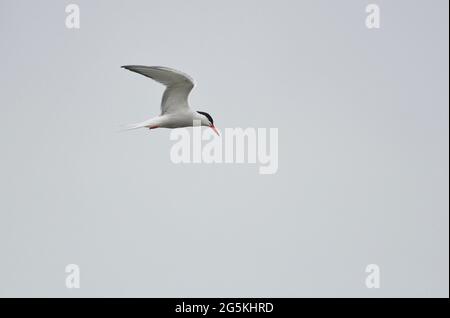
<point>207,120</point>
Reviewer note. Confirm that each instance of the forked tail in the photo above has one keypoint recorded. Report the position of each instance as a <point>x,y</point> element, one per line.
<point>151,123</point>
<point>132,126</point>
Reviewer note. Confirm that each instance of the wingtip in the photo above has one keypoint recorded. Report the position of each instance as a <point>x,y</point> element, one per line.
<point>143,66</point>
<point>130,67</point>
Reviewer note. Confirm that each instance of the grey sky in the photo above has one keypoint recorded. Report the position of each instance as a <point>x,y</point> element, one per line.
<point>363,150</point>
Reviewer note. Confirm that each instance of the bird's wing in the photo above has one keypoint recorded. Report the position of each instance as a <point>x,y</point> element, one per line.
<point>178,86</point>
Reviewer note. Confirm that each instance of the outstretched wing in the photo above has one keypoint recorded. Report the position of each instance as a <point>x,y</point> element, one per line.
<point>178,86</point>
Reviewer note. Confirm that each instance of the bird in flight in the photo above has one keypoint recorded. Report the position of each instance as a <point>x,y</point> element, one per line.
<point>175,110</point>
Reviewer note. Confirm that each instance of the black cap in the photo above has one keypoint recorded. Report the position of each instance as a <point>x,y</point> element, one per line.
<point>207,116</point>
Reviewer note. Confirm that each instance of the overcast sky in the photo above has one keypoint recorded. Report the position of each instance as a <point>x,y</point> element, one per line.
<point>363,129</point>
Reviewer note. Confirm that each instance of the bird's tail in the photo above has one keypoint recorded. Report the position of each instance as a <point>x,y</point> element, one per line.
<point>132,126</point>
<point>148,123</point>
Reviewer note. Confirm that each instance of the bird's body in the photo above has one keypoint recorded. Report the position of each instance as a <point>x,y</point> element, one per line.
<point>175,120</point>
<point>175,110</point>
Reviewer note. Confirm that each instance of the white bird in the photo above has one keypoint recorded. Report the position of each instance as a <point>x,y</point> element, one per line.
<point>175,110</point>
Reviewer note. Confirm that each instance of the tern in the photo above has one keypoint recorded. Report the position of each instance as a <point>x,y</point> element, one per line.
<point>175,110</point>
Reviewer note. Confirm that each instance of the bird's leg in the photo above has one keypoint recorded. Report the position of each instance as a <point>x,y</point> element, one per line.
<point>153,127</point>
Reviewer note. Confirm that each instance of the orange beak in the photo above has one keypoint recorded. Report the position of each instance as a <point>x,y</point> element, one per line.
<point>215,130</point>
